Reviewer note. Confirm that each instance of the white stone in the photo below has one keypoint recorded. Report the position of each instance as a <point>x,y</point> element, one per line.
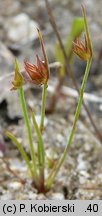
<point>15,185</point>
<point>57,196</point>
<point>60,138</point>
<point>32,195</point>
<point>16,164</point>
<point>21,29</point>
<point>7,196</point>
<point>81,163</point>
<point>41,197</point>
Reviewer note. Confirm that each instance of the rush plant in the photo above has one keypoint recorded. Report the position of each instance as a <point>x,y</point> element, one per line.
<point>39,75</point>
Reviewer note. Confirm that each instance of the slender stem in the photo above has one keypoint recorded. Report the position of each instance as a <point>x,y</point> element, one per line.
<point>61,160</point>
<point>41,153</point>
<point>29,131</point>
<point>43,106</point>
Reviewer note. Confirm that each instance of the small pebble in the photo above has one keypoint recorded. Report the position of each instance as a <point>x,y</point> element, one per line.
<point>7,196</point>
<point>60,138</point>
<point>41,197</point>
<point>32,195</point>
<point>14,185</point>
<point>56,196</point>
<point>21,29</point>
<point>16,164</point>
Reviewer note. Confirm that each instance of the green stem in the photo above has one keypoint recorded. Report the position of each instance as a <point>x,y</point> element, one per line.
<point>43,106</point>
<point>56,168</point>
<point>29,131</point>
<point>41,151</point>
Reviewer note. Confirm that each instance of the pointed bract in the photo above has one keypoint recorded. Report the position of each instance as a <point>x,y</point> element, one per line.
<point>44,53</point>
<point>88,39</point>
<point>18,78</point>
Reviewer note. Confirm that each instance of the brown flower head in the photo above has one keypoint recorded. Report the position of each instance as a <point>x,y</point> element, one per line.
<point>80,49</point>
<point>38,73</point>
<point>84,51</point>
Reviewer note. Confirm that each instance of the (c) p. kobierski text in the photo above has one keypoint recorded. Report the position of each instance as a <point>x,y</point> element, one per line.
<point>52,208</point>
